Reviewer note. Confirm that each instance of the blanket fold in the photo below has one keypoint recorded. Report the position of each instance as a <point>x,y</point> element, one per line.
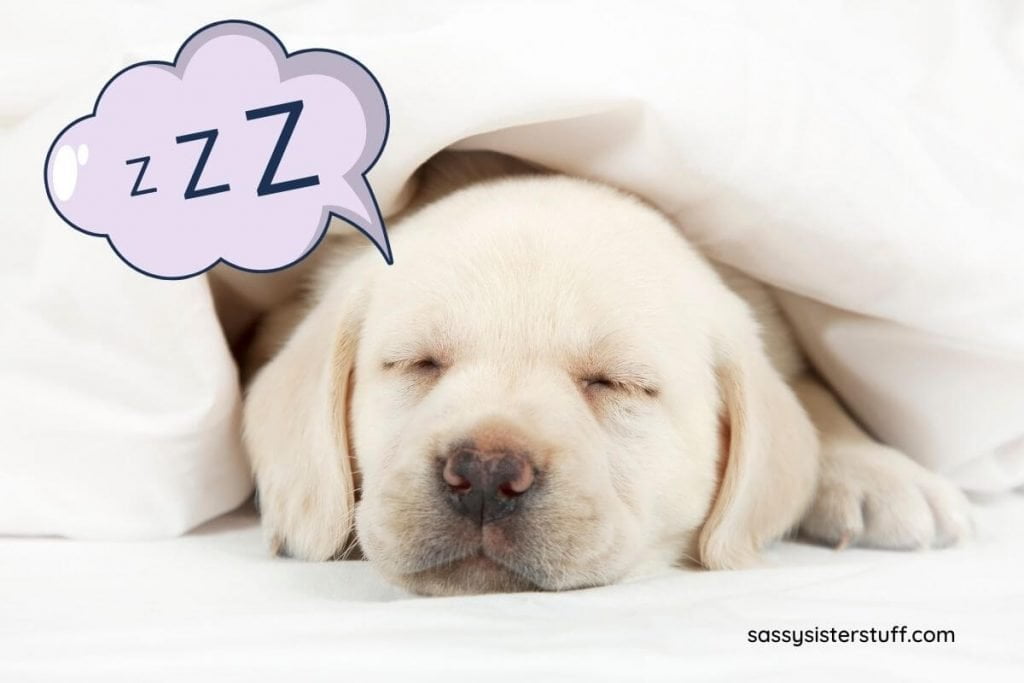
<point>869,164</point>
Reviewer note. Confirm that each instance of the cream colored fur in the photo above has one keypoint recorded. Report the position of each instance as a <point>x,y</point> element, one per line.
<point>521,291</point>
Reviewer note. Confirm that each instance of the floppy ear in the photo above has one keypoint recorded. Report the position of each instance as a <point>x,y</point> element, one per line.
<point>295,431</point>
<point>769,451</point>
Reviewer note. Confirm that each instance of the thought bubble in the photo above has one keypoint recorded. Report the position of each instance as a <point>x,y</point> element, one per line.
<point>237,151</point>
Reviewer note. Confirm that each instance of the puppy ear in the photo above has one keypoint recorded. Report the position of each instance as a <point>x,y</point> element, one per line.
<point>295,431</point>
<point>769,453</point>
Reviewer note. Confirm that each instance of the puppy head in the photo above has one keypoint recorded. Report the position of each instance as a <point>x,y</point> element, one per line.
<point>549,389</point>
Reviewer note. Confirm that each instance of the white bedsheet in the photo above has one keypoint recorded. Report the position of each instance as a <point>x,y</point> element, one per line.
<point>212,606</point>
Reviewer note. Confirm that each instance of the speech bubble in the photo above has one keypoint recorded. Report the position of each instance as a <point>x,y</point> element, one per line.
<point>237,151</point>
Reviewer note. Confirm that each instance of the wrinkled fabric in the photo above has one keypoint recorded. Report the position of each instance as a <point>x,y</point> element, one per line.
<point>867,161</point>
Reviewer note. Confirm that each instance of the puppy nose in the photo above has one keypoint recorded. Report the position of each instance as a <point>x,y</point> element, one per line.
<point>486,486</point>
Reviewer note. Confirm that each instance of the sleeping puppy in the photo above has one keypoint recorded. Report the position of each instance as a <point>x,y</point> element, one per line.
<point>552,389</point>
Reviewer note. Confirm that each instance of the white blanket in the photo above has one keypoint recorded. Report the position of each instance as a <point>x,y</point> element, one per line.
<point>869,161</point>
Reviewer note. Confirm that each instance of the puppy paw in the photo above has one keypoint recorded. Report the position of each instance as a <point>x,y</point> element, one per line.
<point>872,495</point>
<point>310,522</point>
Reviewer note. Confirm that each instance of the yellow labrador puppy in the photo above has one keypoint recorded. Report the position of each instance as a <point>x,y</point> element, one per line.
<point>552,389</point>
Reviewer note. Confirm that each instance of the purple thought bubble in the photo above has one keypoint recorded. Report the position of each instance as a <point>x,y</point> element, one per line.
<point>237,152</point>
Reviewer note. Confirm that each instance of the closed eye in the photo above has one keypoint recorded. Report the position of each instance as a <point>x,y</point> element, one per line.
<point>426,364</point>
<point>631,385</point>
<point>421,365</point>
<point>597,383</point>
<point>612,368</point>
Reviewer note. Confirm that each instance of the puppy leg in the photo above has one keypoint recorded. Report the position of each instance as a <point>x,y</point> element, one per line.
<point>870,494</point>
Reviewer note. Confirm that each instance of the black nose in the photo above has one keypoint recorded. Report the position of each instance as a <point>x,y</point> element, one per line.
<point>486,486</point>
